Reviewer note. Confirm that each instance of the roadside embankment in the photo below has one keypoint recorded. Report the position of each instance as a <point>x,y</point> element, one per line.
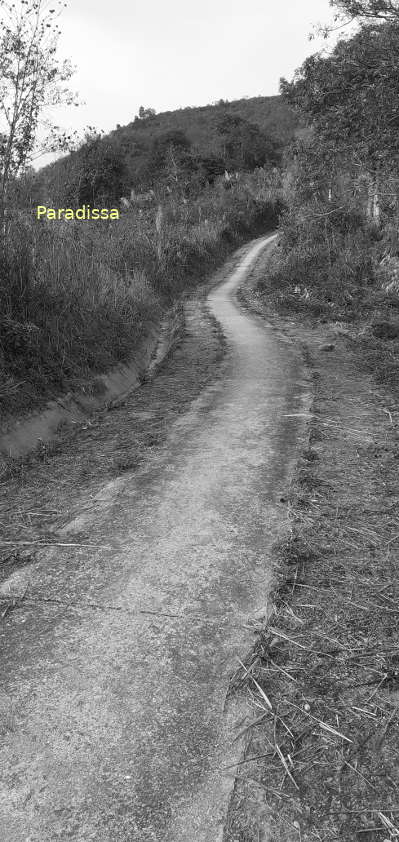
<point>322,736</point>
<point>20,437</point>
<point>81,329</point>
<point>77,300</point>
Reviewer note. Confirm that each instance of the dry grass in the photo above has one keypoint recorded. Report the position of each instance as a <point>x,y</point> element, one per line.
<point>76,298</point>
<point>322,751</point>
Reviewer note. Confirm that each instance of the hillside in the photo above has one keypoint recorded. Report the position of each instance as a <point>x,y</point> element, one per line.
<point>237,135</point>
<point>271,114</point>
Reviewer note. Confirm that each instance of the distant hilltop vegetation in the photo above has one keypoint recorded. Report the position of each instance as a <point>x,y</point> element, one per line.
<point>193,145</point>
<point>203,127</point>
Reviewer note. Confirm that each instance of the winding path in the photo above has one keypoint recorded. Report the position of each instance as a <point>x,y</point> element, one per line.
<point>119,727</point>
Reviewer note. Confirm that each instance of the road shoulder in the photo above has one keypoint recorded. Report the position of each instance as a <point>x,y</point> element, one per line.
<point>323,677</point>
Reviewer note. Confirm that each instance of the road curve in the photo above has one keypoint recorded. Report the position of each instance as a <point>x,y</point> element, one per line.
<point>115,725</point>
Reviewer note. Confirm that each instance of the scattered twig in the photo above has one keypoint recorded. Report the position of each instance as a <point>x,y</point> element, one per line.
<point>389,826</point>
<point>15,602</point>
<point>360,775</point>
<point>53,544</point>
<point>258,687</point>
<point>320,722</point>
<point>387,412</point>
<point>284,762</point>
<point>281,634</point>
<point>285,672</point>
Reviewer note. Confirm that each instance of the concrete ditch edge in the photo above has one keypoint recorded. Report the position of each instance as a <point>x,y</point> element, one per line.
<point>23,436</point>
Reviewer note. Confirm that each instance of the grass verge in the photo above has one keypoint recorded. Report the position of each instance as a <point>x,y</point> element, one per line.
<point>322,739</point>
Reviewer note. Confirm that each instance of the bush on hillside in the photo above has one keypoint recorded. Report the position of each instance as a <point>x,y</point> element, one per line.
<point>324,263</point>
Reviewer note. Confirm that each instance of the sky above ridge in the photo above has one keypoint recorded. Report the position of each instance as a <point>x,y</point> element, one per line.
<point>168,55</point>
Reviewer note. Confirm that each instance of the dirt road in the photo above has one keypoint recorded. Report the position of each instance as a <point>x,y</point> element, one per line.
<point>116,662</point>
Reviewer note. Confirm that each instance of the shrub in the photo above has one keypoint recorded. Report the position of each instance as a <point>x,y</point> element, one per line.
<point>325,263</point>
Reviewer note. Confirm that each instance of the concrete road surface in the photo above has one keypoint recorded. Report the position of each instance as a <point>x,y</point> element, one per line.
<point>114,720</point>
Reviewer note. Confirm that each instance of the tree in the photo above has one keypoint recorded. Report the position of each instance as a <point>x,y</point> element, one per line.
<point>174,139</point>
<point>209,167</point>
<point>170,158</point>
<point>366,10</point>
<point>97,172</point>
<point>244,145</point>
<point>31,79</point>
<point>351,96</point>
<point>146,113</point>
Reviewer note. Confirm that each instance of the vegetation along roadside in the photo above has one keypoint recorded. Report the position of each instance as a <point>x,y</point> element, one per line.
<point>175,193</point>
<point>321,761</point>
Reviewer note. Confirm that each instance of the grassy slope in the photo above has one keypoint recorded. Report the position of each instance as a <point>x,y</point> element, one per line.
<point>79,296</point>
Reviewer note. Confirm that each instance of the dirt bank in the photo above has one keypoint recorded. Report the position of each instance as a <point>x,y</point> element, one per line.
<point>24,435</point>
<point>322,681</point>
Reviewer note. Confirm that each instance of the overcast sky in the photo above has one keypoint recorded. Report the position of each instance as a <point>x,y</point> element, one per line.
<point>167,55</point>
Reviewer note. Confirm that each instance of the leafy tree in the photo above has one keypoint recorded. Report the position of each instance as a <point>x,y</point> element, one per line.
<point>174,140</point>
<point>385,10</point>
<point>175,165</point>
<point>345,174</point>
<point>101,174</point>
<point>209,167</point>
<point>170,159</point>
<point>146,113</point>
<point>244,145</point>
<point>94,174</point>
<point>31,79</point>
<point>351,97</point>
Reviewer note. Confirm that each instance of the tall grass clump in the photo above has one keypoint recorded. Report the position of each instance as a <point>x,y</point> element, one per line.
<point>65,310</point>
